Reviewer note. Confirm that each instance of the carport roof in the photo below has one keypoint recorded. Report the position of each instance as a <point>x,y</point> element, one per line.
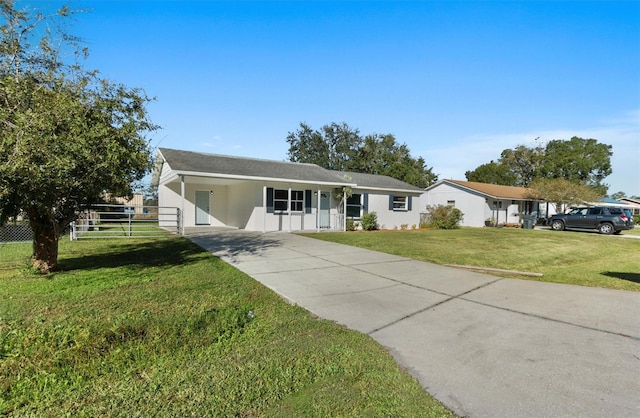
<point>198,162</point>
<point>215,165</point>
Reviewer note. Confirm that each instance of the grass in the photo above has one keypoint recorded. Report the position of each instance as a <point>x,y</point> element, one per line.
<point>161,328</point>
<point>580,258</point>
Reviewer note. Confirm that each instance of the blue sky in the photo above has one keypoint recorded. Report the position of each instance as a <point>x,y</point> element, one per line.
<point>458,82</point>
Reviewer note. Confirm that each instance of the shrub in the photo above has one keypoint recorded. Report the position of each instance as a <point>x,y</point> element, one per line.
<point>352,225</point>
<point>636,219</point>
<point>404,227</point>
<point>369,221</point>
<point>444,217</point>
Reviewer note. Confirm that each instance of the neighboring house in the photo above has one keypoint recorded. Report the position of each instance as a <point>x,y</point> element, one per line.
<point>634,204</point>
<point>263,195</point>
<point>480,202</point>
<point>136,203</point>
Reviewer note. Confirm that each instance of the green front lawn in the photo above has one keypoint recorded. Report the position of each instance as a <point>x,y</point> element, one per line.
<point>162,328</point>
<point>581,258</point>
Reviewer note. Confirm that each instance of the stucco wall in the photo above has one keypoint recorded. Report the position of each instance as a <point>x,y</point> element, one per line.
<point>473,205</point>
<point>388,218</point>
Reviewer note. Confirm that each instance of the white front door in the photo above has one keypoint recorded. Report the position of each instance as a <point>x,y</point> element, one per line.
<point>202,207</point>
<point>324,219</point>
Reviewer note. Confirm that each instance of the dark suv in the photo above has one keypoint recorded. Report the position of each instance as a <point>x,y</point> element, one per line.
<point>607,220</point>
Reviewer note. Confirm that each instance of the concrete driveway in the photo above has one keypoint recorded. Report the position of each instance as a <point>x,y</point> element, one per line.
<point>482,345</point>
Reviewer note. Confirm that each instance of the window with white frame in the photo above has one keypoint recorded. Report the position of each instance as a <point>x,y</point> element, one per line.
<point>399,202</point>
<point>451,203</point>
<point>354,206</point>
<point>280,200</point>
<point>297,200</point>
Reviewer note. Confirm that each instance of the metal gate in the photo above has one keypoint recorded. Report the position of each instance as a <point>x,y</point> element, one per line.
<point>118,221</point>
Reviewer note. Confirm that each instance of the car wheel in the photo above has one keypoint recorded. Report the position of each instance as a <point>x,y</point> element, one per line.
<point>557,225</point>
<point>606,228</point>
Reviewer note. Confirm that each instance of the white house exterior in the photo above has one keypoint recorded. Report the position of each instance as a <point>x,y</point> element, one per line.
<point>262,195</point>
<point>480,201</point>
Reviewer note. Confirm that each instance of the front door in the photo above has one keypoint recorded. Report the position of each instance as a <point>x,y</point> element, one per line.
<point>324,218</point>
<point>202,207</point>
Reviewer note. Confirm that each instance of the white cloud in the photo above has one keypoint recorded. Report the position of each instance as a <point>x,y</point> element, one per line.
<point>622,133</point>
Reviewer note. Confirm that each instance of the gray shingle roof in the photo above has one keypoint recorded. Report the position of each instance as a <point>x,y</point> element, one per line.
<point>199,162</point>
<point>376,181</point>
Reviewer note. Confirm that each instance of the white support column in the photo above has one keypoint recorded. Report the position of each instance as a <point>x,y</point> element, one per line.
<point>182,193</point>
<point>344,210</point>
<point>318,210</point>
<point>264,208</point>
<point>289,208</point>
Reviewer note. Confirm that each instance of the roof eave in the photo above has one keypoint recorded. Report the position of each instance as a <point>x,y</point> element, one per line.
<point>259,178</point>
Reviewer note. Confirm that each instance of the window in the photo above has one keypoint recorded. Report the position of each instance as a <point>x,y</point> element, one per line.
<point>280,200</point>
<point>297,200</point>
<point>354,206</point>
<point>451,203</point>
<point>399,202</point>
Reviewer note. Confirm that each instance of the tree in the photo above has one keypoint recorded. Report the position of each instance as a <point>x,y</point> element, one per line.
<point>523,162</point>
<point>562,192</point>
<point>333,147</point>
<point>492,173</point>
<point>339,147</point>
<point>618,195</point>
<point>581,160</point>
<point>67,135</point>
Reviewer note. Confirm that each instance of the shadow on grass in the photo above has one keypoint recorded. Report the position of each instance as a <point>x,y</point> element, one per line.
<point>235,243</point>
<point>162,252</point>
<point>632,277</point>
<point>171,252</point>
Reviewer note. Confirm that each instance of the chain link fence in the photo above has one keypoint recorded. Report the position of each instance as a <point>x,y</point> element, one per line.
<point>17,231</point>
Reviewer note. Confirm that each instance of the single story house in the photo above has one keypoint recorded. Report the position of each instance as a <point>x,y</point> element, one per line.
<point>633,203</point>
<point>263,195</point>
<point>480,202</point>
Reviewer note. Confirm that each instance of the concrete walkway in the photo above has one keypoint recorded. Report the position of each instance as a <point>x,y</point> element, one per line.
<point>482,345</point>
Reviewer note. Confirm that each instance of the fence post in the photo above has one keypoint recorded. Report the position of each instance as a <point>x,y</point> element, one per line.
<point>129,225</point>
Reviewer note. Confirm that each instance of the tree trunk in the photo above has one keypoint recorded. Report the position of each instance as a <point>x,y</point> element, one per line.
<point>45,242</point>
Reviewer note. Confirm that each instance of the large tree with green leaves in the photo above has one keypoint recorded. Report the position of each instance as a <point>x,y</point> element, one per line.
<point>562,192</point>
<point>68,136</point>
<point>342,148</point>
<point>578,160</point>
<point>581,160</point>
<point>492,173</point>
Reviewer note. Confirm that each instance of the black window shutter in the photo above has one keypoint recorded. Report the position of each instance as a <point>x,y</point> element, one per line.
<point>365,203</point>
<point>269,199</point>
<point>307,201</point>
<point>390,202</point>
<point>409,202</point>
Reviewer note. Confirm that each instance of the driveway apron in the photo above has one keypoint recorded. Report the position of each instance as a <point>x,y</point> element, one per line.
<point>482,345</point>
